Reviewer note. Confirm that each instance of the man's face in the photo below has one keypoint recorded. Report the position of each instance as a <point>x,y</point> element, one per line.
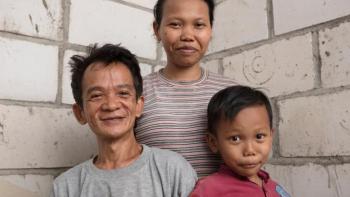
<point>109,101</point>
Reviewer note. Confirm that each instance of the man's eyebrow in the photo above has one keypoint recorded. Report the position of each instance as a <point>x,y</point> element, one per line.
<point>124,86</point>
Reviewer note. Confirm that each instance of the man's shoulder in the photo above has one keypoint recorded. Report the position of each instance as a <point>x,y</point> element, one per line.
<point>170,159</point>
<point>73,173</point>
<point>165,154</point>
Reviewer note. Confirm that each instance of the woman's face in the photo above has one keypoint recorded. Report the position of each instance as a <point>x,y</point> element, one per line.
<point>184,31</point>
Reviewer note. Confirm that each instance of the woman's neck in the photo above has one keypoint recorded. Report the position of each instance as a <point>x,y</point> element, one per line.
<point>174,73</point>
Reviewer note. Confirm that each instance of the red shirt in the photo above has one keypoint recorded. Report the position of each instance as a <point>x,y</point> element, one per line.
<point>227,183</point>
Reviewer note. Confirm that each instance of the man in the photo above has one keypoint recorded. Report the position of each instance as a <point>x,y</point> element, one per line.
<point>107,88</point>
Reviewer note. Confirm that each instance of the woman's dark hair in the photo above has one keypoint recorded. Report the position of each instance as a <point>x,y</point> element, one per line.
<point>106,54</point>
<point>227,103</point>
<point>158,11</point>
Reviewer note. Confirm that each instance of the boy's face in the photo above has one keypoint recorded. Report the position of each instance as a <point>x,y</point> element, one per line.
<point>244,142</point>
<point>109,101</point>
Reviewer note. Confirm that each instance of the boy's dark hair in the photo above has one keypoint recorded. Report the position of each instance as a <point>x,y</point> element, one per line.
<point>227,103</point>
<point>106,54</point>
<point>158,11</point>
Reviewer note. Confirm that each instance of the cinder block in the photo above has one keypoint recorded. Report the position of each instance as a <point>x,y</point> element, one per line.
<point>335,55</point>
<point>39,137</point>
<point>32,17</point>
<point>145,69</point>
<point>280,68</point>
<point>306,180</point>
<point>297,14</point>
<point>212,65</point>
<point>67,95</point>
<point>112,23</point>
<point>28,70</point>
<point>145,3</point>
<point>315,126</point>
<point>340,178</point>
<point>26,185</point>
<point>158,67</point>
<point>237,23</point>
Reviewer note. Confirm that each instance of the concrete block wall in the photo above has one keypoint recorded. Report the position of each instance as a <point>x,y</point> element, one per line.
<point>297,51</point>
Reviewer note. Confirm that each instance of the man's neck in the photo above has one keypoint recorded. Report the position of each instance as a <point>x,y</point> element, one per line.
<point>117,154</point>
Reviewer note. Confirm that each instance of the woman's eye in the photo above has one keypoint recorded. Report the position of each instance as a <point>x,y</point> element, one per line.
<point>175,25</point>
<point>200,25</point>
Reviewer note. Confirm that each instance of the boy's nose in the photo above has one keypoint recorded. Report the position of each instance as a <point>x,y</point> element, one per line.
<point>249,149</point>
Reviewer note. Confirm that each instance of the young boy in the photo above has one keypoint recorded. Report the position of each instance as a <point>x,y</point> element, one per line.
<point>107,88</point>
<point>240,130</point>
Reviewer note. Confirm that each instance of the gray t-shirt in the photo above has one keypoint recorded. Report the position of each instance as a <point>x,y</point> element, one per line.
<point>155,173</point>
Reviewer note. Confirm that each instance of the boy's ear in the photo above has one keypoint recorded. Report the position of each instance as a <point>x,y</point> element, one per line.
<point>212,142</point>
<point>79,114</point>
<point>155,30</point>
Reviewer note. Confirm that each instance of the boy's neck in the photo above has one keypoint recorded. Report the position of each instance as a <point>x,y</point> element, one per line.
<point>257,180</point>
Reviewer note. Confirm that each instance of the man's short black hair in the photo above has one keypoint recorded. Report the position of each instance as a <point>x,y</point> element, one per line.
<point>159,7</point>
<point>227,103</point>
<point>106,54</point>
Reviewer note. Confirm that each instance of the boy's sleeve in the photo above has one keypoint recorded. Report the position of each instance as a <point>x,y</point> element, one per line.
<point>198,191</point>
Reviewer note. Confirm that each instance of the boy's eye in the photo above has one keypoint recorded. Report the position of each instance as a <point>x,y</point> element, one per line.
<point>260,136</point>
<point>235,138</point>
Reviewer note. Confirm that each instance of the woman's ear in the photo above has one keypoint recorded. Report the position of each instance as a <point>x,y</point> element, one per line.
<point>212,142</point>
<point>156,30</point>
<point>79,114</point>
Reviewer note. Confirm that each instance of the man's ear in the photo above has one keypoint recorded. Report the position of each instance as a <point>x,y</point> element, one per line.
<point>156,31</point>
<point>212,142</point>
<point>139,106</point>
<point>79,114</point>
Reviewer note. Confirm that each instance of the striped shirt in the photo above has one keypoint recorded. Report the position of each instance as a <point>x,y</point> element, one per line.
<point>175,117</point>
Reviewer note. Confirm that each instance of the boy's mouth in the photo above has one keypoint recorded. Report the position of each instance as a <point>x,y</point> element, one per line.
<point>249,165</point>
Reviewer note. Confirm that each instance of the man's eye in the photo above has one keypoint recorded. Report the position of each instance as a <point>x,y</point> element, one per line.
<point>124,93</point>
<point>95,96</point>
